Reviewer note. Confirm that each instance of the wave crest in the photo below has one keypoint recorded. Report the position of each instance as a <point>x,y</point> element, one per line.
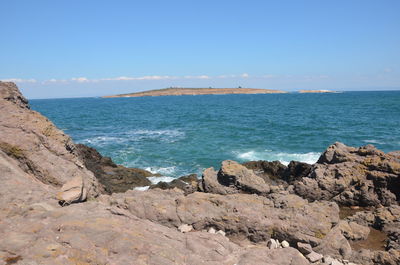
<point>284,158</point>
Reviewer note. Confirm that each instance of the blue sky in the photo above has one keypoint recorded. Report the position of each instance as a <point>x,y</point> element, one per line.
<point>93,48</point>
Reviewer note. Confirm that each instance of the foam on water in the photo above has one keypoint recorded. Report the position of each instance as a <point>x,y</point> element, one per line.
<point>373,141</point>
<point>165,171</point>
<point>284,158</point>
<point>167,136</point>
<point>155,180</point>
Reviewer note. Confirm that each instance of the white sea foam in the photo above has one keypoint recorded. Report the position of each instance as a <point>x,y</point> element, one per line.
<point>168,171</point>
<point>142,188</point>
<point>102,140</point>
<point>168,136</point>
<point>155,180</point>
<point>162,135</point>
<point>284,158</point>
<point>373,141</point>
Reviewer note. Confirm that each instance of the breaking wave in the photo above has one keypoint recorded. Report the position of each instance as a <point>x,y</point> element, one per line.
<point>284,158</point>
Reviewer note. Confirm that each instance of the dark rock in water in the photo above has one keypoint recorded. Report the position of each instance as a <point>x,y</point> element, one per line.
<point>297,170</point>
<point>115,178</point>
<point>269,171</point>
<point>275,173</point>
<point>188,184</point>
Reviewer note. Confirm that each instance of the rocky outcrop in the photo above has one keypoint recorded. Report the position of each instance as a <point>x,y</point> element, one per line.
<point>361,176</point>
<point>10,92</point>
<point>40,149</point>
<point>114,178</point>
<point>272,215</point>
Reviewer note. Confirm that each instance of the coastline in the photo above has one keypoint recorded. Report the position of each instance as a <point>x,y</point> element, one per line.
<point>66,203</point>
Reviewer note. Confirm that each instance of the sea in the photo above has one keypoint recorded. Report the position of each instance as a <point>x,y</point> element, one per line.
<point>180,135</point>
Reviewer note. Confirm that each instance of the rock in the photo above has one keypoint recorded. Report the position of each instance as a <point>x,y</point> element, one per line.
<point>115,178</point>
<point>188,184</point>
<point>334,244</point>
<point>336,262</point>
<point>305,249</point>
<point>352,176</point>
<point>184,228</point>
<point>279,256</point>
<point>211,184</point>
<point>327,259</point>
<point>272,244</point>
<point>314,257</point>
<point>72,191</point>
<point>41,150</point>
<point>220,232</point>
<point>211,230</point>
<point>285,244</point>
<point>271,172</point>
<point>232,174</point>
<point>353,231</point>
<point>296,171</point>
<point>9,91</point>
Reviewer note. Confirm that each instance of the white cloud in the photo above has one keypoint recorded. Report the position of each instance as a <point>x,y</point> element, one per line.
<point>81,79</point>
<point>124,78</point>
<point>19,80</point>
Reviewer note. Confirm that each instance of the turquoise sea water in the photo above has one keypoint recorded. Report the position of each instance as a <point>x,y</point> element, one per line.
<point>178,135</point>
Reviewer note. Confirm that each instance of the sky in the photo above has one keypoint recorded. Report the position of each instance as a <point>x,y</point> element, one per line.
<point>74,48</point>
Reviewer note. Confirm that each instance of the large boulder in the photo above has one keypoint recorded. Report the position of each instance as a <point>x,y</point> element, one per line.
<point>233,178</point>
<point>73,191</point>
<point>349,176</point>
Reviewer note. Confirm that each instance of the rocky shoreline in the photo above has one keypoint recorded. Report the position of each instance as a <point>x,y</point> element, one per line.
<point>63,203</point>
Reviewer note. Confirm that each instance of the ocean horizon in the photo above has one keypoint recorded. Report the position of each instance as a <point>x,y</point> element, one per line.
<point>176,136</point>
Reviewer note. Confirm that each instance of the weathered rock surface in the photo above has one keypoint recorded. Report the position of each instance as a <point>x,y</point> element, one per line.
<point>233,178</point>
<point>188,184</point>
<point>361,176</point>
<point>42,150</point>
<point>114,178</point>
<point>248,215</point>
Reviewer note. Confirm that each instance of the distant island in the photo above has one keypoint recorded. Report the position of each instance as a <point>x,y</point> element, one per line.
<point>317,91</point>
<point>174,91</point>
